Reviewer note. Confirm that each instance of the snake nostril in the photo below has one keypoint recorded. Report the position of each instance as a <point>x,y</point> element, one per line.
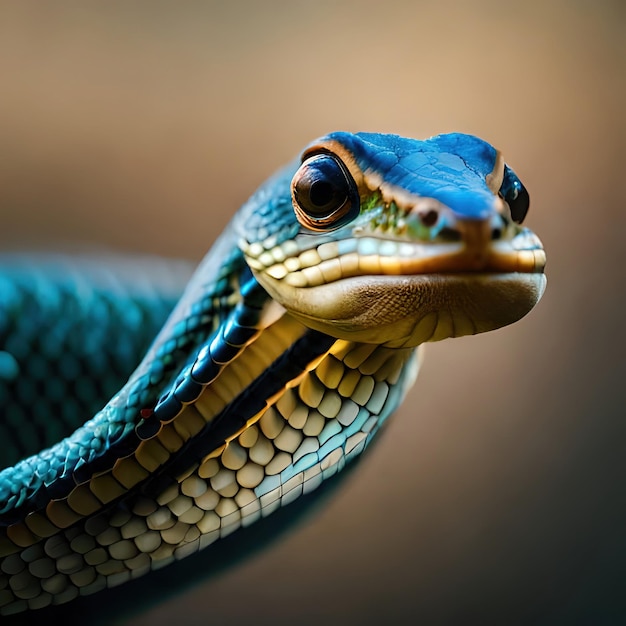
<point>429,218</point>
<point>498,226</point>
<point>449,234</point>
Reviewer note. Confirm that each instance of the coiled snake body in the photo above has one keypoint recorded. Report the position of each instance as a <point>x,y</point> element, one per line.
<point>291,345</point>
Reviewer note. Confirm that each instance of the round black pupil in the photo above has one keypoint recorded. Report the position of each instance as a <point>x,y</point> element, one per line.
<point>321,193</point>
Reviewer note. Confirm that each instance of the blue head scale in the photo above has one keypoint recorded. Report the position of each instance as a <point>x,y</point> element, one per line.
<point>461,171</point>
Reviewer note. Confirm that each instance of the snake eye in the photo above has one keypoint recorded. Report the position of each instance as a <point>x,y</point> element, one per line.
<point>515,195</point>
<point>323,192</point>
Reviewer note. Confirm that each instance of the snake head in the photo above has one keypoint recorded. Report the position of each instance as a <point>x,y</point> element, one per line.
<point>382,239</point>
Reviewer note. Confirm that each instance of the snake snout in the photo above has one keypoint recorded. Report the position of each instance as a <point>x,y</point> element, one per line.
<point>430,220</point>
<point>472,233</point>
<point>477,237</point>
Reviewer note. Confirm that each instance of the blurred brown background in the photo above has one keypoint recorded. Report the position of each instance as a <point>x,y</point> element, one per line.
<point>496,495</point>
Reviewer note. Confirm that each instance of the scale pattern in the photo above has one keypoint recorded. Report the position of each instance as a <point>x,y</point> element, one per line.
<point>324,418</point>
<point>271,372</point>
<point>94,447</point>
<point>73,338</point>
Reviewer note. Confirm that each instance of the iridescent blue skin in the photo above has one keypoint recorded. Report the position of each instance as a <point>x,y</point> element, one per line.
<point>71,332</point>
<point>225,301</point>
<point>113,431</point>
<point>450,168</point>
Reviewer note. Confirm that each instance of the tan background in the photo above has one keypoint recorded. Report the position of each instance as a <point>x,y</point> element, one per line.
<point>496,495</point>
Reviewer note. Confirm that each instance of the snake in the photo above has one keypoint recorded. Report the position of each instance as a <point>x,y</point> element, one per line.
<point>275,365</point>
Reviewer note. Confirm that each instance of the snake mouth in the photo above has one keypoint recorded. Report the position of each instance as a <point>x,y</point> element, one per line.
<point>402,293</point>
<point>299,265</point>
<point>406,310</point>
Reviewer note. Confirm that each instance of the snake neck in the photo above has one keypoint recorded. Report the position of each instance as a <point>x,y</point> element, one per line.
<point>204,475</point>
